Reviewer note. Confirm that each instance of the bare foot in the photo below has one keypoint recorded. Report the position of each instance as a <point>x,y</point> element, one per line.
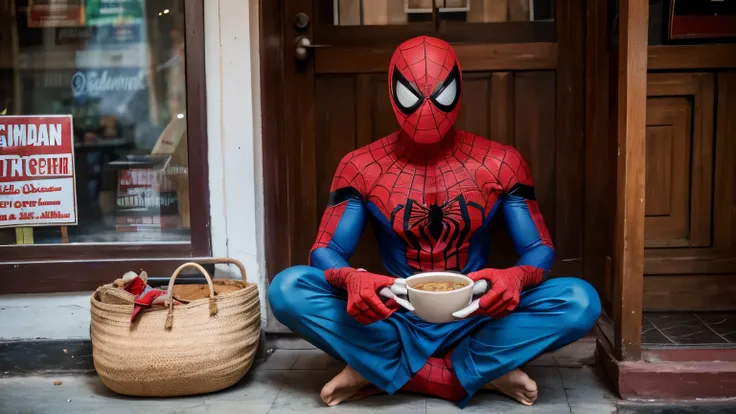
<point>517,385</point>
<point>347,385</point>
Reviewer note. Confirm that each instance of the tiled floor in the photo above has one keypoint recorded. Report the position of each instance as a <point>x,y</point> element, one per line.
<point>289,382</point>
<point>707,329</point>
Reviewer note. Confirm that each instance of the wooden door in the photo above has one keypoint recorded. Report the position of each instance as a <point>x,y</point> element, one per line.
<point>690,232</point>
<point>523,86</point>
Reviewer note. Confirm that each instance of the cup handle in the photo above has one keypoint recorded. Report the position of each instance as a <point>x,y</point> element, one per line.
<point>480,287</point>
<point>465,312</point>
<point>399,287</point>
<point>389,294</point>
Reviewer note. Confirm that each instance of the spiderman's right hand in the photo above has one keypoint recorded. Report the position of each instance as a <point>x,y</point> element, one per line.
<point>364,303</point>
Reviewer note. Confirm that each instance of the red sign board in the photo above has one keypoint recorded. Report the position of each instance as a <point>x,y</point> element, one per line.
<point>56,13</point>
<point>37,186</point>
<point>698,19</point>
<point>147,201</point>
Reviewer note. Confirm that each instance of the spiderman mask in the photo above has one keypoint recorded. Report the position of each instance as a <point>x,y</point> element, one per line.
<point>425,84</point>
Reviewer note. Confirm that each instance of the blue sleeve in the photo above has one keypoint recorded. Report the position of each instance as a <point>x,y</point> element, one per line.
<point>340,230</point>
<point>528,232</point>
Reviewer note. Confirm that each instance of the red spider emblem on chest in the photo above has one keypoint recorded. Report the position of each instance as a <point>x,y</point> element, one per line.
<point>437,234</point>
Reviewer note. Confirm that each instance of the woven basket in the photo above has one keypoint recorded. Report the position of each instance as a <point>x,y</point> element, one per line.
<point>191,348</point>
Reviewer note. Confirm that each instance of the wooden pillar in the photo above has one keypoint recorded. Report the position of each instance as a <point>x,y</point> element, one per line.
<point>628,261</point>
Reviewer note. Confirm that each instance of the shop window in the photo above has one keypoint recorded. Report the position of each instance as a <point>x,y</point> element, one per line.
<point>99,154</point>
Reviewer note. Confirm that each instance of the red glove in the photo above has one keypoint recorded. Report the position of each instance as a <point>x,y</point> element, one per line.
<point>147,299</point>
<point>364,303</point>
<point>506,286</point>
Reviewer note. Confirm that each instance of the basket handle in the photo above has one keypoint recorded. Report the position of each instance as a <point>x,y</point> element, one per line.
<point>170,291</point>
<point>225,260</point>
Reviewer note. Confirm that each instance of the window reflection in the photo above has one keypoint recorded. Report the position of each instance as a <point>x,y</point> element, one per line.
<point>118,67</point>
<point>393,12</point>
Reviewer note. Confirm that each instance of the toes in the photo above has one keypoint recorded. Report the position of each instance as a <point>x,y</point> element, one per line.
<point>326,394</point>
<point>526,399</point>
<point>522,397</point>
<point>531,396</point>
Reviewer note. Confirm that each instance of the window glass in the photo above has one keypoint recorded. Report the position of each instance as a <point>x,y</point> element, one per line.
<point>392,12</point>
<point>109,76</point>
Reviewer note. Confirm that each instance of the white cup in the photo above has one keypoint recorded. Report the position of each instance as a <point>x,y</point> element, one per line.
<point>437,307</point>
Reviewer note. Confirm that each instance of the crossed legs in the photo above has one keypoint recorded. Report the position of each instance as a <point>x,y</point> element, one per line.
<point>384,353</point>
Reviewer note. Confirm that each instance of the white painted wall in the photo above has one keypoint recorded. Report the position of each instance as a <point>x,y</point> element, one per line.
<point>234,129</point>
<point>235,175</point>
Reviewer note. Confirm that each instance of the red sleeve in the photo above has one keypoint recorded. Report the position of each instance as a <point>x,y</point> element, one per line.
<point>516,179</point>
<point>344,218</point>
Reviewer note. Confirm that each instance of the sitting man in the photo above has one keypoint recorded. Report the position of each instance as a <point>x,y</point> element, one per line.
<point>430,191</point>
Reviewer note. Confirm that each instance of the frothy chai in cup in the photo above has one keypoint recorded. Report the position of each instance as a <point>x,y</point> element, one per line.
<point>440,286</point>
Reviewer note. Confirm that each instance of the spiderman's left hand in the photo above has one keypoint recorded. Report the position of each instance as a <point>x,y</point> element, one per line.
<point>501,299</point>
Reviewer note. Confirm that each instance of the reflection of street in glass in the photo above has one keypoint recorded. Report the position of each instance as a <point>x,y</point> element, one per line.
<point>4,101</point>
<point>176,75</point>
<point>118,68</point>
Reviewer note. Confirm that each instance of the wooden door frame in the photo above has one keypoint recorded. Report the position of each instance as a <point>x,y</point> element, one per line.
<point>628,254</point>
<point>616,158</point>
<point>275,162</point>
<point>282,185</point>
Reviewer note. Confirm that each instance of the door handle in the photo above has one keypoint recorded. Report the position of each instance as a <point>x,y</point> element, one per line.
<point>302,44</point>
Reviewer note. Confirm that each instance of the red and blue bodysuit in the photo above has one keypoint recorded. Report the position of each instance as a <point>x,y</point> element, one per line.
<point>430,191</point>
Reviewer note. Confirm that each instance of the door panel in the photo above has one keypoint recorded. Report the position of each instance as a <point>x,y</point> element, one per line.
<point>685,224</point>
<point>668,137</point>
<point>534,132</point>
<point>659,171</point>
<point>724,204</point>
<point>690,225</point>
<point>477,107</point>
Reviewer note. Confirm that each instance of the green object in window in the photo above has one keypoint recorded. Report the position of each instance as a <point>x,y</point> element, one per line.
<point>104,12</point>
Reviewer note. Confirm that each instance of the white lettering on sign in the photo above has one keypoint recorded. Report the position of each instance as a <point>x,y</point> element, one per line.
<point>94,82</point>
<point>30,135</point>
<point>52,165</point>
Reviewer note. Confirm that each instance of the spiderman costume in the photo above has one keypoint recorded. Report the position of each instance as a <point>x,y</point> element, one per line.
<point>430,191</point>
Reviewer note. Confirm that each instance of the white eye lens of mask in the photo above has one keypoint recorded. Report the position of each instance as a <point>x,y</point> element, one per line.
<point>448,94</point>
<point>405,97</point>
